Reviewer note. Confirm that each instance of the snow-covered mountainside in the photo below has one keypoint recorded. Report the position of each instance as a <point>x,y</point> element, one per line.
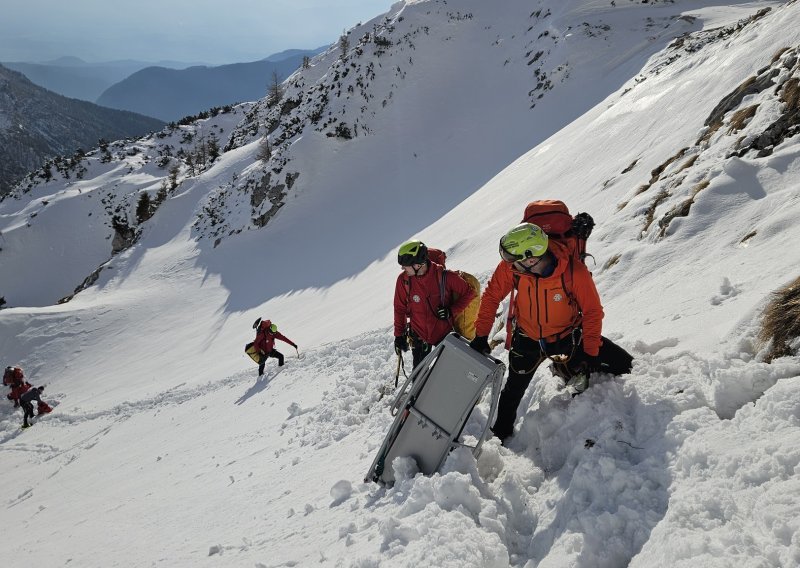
<point>675,124</point>
<point>373,108</point>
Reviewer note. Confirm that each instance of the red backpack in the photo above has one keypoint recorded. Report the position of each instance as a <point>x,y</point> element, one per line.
<point>12,375</point>
<point>554,218</point>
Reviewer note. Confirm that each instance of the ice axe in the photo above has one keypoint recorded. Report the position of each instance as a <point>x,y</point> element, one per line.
<point>298,353</point>
<point>387,388</point>
<point>397,372</point>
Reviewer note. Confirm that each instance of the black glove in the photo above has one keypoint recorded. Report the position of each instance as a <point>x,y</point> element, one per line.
<point>400,344</point>
<point>443,313</point>
<point>481,344</point>
<point>592,363</point>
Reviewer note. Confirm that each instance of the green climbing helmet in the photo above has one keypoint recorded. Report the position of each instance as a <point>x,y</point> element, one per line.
<point>266,324</point>
<point>523,241</point>
<point>412,252</point>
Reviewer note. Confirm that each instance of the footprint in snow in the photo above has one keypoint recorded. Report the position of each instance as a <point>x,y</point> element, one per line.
<point>726,291</point>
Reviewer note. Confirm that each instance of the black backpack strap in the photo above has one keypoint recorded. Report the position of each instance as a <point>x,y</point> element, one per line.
<point>407,284</point>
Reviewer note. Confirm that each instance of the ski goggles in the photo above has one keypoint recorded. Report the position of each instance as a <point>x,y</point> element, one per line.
<point>511,258</point>
<point>409,259</point>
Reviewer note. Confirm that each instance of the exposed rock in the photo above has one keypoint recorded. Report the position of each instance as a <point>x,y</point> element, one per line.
<point>124,235</point>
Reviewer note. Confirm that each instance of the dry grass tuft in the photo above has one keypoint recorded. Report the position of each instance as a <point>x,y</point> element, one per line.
<point>612,261</point>
<point>681,210</point>
<point>699,187</point>
<point>748,236</point>
<point>741,117</point>
<point>790,93</point>
<point>630,167</point>
<point>778,54</point>
<point>651,210</point>
<point>688,163</point>
<point>656,173</point>
<point>781,322</point>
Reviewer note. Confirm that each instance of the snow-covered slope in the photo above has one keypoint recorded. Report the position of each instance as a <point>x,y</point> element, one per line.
<point>164,436</point>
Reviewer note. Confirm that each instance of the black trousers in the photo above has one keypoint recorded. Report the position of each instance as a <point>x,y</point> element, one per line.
<point>264,356</point>
<point>27,412</point>
<point>525,357</point>
<point>419,350</point>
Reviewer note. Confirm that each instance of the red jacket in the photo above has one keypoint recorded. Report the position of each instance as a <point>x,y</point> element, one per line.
<point>418,298</point>
<point>265,339</point>
<point>543,308</point>
<point>18,389</point>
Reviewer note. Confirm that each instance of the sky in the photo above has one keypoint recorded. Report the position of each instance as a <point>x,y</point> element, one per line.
<point>176,30</point>
<point>165,448</point>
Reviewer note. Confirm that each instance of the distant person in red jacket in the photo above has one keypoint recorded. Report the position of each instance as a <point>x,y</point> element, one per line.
<point>266,334</point>
<point>14,378</point>
<point>426,299</point>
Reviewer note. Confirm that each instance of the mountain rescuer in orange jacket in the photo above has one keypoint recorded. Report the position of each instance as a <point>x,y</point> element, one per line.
<point>555,312</point>
<point>426,299</point>
<point>266,334</point>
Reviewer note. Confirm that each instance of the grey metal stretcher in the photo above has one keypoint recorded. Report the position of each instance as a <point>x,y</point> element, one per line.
<point>444,389</point>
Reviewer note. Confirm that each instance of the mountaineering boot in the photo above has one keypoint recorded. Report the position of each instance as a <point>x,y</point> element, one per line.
<point>502,436</point>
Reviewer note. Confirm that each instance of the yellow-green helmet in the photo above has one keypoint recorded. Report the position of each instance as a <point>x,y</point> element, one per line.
<point>523,241</point>
<point>412,252</point>
<point>273,328</point>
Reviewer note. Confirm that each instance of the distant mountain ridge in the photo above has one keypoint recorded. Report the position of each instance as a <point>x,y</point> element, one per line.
<point>171,94</point>
<point>37,124</point>
<point>75,78</point>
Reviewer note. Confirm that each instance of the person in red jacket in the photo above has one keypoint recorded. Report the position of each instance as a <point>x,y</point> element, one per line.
<point>266,334</point>
<point>556,313</point>
<point>424,304</point>
<point>14,378</point>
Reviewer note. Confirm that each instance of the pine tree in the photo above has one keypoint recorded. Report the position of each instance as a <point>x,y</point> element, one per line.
<point>161,196</point>
<point>190,164</point>
<point>344,46</point>
<point>143,208</point>
<point>275,92</point>
<point>213,147</point>
<point>173,177</point>
<point>264,150</point>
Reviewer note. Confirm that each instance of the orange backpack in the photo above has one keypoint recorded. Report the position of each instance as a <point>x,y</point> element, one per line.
<point>554,218</point>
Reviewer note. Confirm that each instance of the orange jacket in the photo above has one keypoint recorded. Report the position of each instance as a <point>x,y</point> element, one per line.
<point>543,308</point>
<point>425,298</point>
